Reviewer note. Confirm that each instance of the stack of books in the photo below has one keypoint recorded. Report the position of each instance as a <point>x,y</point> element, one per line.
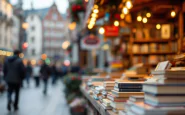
<point>167,88</point>
<point>164,94</point>
<point>97,92</point>
<point>123,90</point>
<point>106,104</point>
<point>132,100</point>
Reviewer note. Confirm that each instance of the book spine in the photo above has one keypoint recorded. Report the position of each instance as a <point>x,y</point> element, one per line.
<point>133,86</point>
<point>130,90</point>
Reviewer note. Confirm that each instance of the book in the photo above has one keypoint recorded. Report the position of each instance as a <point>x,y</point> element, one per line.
<point>112,97</point>
<point>153,47</point>
<point>170,81</point>
<point>117,105</point>
<point>128,90</point>
<point>163,66</point>
<point>136,98</point>
<point>125,94</point>
<point>136,48</point>
<point>108,83</point>
<point>176,74</point>
<point>144,48</point>
<point>106,102</point>
<point>153,59</point>
<point>116,110</point>
<point>157,88</point>
<point>131,85</point>
<point>106,107</point>
<point>109,88</point>
<point>140,108</point>
<point>165,99</point>
<point>155,104</point>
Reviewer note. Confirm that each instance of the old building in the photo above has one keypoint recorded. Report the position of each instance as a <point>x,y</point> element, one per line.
<point>46,32</point>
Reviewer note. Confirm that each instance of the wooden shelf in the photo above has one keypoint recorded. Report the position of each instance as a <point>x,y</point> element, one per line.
<point>155,53</point>
<point>154,41</point>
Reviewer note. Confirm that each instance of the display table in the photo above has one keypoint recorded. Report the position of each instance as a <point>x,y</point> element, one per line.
<point>98,108</point>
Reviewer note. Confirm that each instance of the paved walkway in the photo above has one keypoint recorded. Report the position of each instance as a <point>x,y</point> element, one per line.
<point>33,102</point>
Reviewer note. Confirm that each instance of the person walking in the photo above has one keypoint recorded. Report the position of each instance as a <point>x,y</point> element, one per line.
<point>54,73</point>
<point>36,74</point>
<point>45,73</point>
<point>28,72</point>
<point>14,72</point>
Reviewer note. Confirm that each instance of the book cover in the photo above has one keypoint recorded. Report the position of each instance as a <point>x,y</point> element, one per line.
<point>128,90</point>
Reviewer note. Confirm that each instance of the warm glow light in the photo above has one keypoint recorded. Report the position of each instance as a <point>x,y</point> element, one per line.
<point>148,15</point>
<point>25,25</point>
<point>95,6</point>
<point>173,13</point>
<point>1,52</point>
<point>65,45</point>
<point>72,26</point>
<point>21,55</point>
<point>129,4</point>
<point>33,62</point>
<point>4,53</point>
<point>125,10</point>
<point>105,47</point>
<point>122,16</point>
<point>145,20</point>
<point>90,26</point>
<point>94,15</point>
<point>101,30</point>
<point>86,0</point>
<point>96,11</point>
<point>158,26</point>
<point>66,62</point>
<point>44,56</point>
<point>139,18</point>
<point>8,54</point>
<point>116,23</point>
<point>93,19</point>
<point>92,23</point>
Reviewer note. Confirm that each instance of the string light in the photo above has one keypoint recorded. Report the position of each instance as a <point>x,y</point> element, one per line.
<point>93,19</point>
<point>122,16</point>
<point>173,13</point>
<point>94,15</point>
<point>90,26</point>
<point>125,10</point>
<point>129,4</point>
<point>116,23</point>
<point>145,20</point>
<point>95,6</point>
<point>139,18</point>
<point>148,15</point>
<point>96,11</point>
<point>158,26</point>
<point>101,30</point>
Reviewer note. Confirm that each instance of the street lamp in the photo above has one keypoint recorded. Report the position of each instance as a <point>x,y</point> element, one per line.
<point>65,45</point>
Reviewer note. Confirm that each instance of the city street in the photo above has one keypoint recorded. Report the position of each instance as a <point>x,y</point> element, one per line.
<point>33,102</point>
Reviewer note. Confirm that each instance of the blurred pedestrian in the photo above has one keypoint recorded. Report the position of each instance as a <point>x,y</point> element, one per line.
<point>36,74</point>
<point>54,73</point>
<point>64,70</point>
<point>45,73</point>
<point>28,72</point>
<point>14,72</point>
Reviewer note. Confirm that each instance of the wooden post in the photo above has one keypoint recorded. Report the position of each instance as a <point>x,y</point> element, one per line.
<point>181,31</point>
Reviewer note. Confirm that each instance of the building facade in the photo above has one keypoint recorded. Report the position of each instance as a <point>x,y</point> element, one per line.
<point>6,24</point>
<point>46,33</point>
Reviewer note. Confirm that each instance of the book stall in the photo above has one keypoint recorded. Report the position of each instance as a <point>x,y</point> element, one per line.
<point>147,37</point>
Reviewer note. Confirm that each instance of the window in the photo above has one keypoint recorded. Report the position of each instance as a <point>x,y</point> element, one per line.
<point>32,28</point>
<point>33,52</point>
<point>32,39</point>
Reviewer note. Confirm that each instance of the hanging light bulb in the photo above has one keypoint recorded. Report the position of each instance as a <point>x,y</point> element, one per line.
<point>129,4</point>
<point>93,19</point>
<point>148,14</point>
<point>96,11</point>
<point>94,15</point>
<point>122,16</point>
<point>90,26</point>
<point>139,18</point>
<point>173,13</point>
<point>116,23</point>
<point>145,20</point>
<point>158,26</point>
<point>101,30</point>
<point>125,10</point>
<point>95,6</point>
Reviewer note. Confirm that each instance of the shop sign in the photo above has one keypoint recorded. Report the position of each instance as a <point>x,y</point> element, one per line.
<point>90,42</point>
<point>111,31</point>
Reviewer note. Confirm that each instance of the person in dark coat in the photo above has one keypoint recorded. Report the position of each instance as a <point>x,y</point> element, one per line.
<point>45,73</point>
<point>54,73</point>
<point>14,72</point>
<point>29,71</point>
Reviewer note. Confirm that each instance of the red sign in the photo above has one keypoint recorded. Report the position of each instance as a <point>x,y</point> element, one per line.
<point>111,31</point>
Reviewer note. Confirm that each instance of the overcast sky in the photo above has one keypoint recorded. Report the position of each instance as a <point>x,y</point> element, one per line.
<point>62,4</point>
